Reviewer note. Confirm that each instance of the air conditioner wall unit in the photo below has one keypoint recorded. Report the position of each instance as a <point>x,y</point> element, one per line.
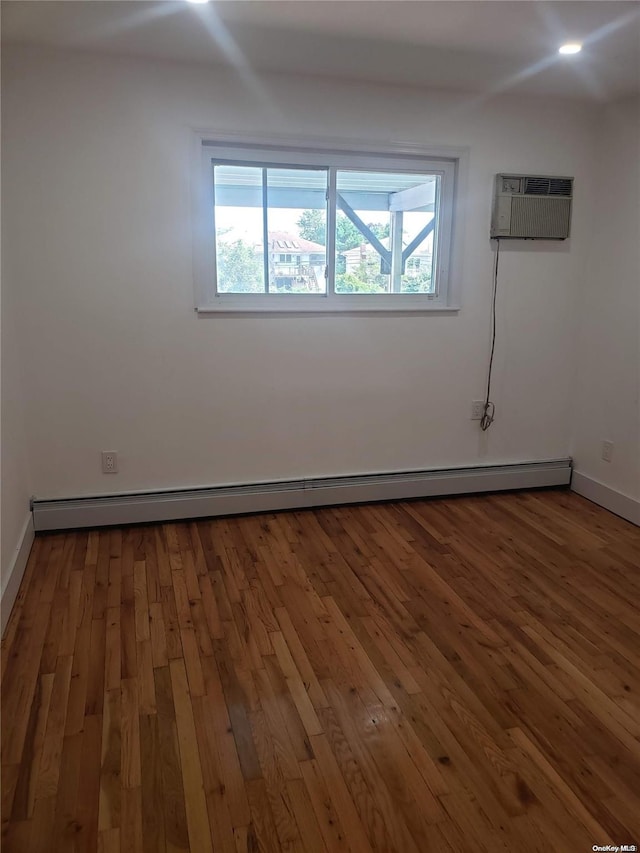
<point>532,207</point>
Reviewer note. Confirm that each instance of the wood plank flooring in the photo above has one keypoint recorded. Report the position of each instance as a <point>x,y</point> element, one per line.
<point>451,675</point>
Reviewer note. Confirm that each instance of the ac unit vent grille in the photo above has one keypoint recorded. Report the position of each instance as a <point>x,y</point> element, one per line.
<point>536,186</point>
<point>560,186</point>
<point>547,186</point>
<point>540,217</point>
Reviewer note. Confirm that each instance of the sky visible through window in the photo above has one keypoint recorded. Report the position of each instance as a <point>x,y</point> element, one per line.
<point>245,222</point>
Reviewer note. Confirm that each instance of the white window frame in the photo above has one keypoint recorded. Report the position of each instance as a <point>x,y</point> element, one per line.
<point>449,163</point>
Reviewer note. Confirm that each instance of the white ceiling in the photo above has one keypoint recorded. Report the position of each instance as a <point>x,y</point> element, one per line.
<point>474,45</point>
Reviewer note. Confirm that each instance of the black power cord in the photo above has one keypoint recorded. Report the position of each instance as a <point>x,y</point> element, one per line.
<point>488,410</point>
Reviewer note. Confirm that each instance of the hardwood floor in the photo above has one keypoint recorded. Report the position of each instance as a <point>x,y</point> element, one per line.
<point>452,675</point>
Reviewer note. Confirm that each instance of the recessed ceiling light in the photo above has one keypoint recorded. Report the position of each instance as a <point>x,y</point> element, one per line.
<point>569,48</point>
<point>197,1</point>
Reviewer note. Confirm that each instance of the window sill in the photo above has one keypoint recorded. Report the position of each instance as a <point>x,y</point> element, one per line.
<point>322,310</point>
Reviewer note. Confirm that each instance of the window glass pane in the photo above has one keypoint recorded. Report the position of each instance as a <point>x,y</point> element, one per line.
<point>417,276</point>
<point>297,227</point>
<point>239,229</point>
<point>385,226</point>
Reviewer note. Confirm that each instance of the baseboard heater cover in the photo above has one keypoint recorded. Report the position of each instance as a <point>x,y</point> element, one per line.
<point>140,507</point>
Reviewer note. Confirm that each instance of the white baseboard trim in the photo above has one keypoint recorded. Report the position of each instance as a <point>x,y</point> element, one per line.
<point>104,510</point>
<point>16,571</point>
<point>616,502</point>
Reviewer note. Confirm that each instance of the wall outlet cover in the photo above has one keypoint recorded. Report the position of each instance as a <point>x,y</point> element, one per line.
<point>607,450</point>
<point>477,410</point>
<point>109,462</point>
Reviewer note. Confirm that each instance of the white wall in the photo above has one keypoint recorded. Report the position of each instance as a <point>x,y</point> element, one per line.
<point>14,477</point>
<point>97,204</point>
<point>608,365</point>
<point>15,531</point>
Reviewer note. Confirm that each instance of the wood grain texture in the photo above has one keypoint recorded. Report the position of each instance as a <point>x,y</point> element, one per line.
<point>451,675</point>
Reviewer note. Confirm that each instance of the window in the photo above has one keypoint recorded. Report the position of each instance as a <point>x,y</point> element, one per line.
<point>281,229</point>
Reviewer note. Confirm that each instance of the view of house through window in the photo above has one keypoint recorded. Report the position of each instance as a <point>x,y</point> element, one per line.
<point>271,230</point>
<point>262,243</point>
<point>296,263</point>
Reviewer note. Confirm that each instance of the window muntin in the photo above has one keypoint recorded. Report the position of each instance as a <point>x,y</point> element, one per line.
<point>420,279</point>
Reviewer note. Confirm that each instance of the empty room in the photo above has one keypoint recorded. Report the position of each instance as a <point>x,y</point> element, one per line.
<point>320,470</point>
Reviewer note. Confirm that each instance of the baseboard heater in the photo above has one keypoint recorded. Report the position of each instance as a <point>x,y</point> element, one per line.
<point>134,508</point>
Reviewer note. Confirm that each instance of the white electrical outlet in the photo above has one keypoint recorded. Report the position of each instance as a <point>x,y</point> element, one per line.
<point>607,450</point>
<point>477,410</point>
<point>109,462</point>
